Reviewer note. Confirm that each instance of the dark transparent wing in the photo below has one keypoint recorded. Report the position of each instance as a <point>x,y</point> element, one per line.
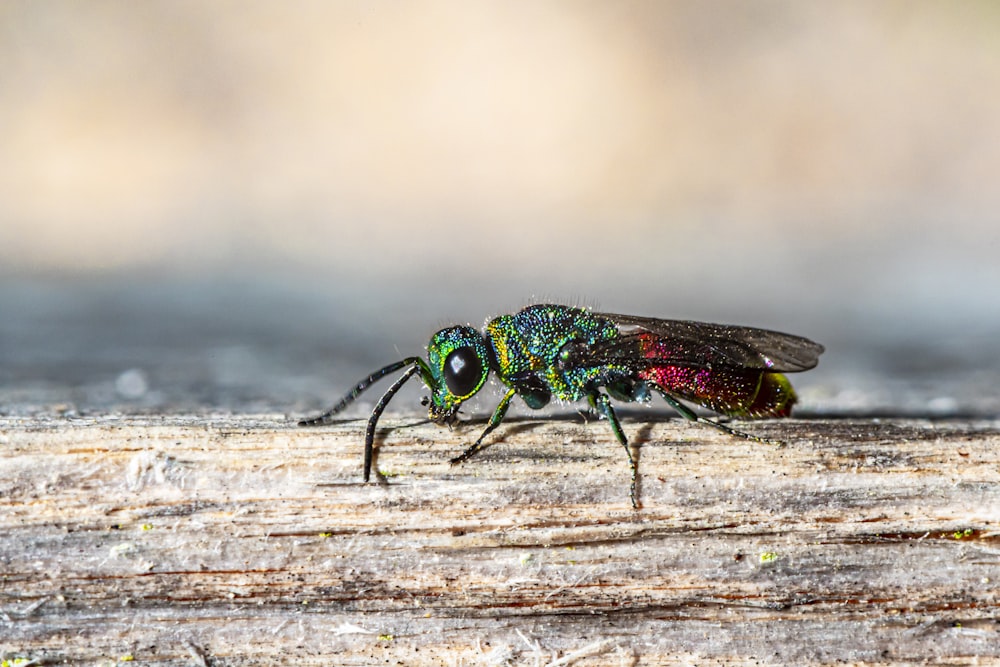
<point>701,344</point>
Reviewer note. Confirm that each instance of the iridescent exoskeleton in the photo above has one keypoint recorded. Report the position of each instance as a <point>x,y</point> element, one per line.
<point>571,354</point>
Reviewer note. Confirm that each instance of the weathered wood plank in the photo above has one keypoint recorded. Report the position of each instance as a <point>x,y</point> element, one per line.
<point>245,540</point>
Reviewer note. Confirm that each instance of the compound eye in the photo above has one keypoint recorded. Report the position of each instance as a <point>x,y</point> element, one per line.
<point>462,371</point>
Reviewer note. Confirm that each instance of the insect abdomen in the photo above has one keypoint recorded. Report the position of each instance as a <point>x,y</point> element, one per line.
<point>733,392</point>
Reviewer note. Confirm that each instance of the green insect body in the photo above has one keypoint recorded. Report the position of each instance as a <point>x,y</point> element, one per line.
<point>547,352</point>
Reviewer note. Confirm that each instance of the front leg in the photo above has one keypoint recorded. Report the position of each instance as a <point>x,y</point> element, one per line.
<point>495,420</point>
<point>602,403</point>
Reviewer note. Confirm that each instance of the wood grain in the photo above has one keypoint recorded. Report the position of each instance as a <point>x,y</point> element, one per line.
<point>237,540</point>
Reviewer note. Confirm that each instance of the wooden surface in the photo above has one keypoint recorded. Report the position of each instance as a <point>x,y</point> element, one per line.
<point>246,540</point>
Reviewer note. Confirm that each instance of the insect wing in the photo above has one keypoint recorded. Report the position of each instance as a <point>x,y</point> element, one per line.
<point>654,341</point>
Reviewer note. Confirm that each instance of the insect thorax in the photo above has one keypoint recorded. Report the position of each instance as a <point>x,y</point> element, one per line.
<point>526,349</point>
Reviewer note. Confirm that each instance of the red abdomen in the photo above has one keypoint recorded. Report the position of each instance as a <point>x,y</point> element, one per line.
<point>733,392</point>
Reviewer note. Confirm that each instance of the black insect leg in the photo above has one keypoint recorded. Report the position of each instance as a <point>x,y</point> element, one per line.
<point>690,414</point>
<point>495,420</point>
<point>602,403</point>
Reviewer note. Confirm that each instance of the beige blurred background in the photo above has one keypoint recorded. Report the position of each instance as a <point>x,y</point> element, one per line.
<point>828,168</point>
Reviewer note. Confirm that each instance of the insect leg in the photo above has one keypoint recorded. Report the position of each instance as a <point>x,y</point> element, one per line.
<point>690,414</point>
<point>377,412</point>
<point>603,404</point>
<point>495,420</point>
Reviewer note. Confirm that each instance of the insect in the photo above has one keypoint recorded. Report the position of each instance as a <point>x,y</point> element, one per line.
<point>570,354</point>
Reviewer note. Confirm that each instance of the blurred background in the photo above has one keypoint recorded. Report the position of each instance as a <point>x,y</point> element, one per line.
<point>247,205</point>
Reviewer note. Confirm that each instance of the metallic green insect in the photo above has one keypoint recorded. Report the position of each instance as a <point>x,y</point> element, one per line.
<point>571,354</point>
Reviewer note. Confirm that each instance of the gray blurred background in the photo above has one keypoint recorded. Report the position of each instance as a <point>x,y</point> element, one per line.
<point>248,205</point>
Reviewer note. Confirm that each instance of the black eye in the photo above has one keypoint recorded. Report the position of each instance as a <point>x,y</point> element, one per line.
<point>462,371</point>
